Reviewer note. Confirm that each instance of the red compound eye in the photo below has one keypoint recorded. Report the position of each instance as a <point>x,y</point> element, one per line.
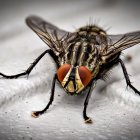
<point>85,75</point>
<point>62,71</point>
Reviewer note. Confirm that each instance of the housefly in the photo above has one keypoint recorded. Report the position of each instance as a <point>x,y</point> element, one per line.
<point>82,57</point>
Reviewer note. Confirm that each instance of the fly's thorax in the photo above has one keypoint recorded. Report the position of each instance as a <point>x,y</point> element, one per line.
<point>81,54</point>
<point>80,62</point>
<point>85,46</point>
<point>74,79</point>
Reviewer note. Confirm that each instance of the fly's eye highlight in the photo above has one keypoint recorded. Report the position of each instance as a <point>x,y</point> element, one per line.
<point>85,75</point>
<point>62,71</point>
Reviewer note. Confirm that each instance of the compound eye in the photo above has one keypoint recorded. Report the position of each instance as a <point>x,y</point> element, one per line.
<point>62,71</point>
<point>85,75</point>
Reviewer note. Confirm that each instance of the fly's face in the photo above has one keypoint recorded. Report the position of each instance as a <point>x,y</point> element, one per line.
<point>73,79</point>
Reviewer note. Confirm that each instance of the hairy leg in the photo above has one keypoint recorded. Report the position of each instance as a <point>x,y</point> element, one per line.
<point>86,118</point>
<point>37,113</point>
<point>27,72</point>
<point>127,77</point>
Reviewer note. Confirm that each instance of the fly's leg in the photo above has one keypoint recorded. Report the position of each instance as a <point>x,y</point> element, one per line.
<point>86,118</point>
<point>27,72</point>
<point>127,77</point>
<point>35,114</point>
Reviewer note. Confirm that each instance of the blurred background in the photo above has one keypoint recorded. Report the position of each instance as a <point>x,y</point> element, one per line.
<point>19,46</point>
<point>120,15</point>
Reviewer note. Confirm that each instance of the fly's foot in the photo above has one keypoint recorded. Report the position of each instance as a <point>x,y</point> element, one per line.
<point>35,114</point>
<point>88,120</point>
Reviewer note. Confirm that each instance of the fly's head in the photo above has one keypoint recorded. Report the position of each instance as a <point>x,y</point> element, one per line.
<point>74,79</point>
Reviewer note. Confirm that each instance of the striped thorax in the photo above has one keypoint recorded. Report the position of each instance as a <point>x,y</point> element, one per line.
<point>79,63</point>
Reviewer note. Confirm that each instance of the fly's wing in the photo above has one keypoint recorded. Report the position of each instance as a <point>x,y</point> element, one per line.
<point>122,42</point>
<point>50,34</point>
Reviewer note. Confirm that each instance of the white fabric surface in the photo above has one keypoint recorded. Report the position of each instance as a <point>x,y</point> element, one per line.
<point>115,111</point>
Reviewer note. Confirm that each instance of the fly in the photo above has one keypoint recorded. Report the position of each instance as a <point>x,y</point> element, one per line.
<point>81,57</point>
